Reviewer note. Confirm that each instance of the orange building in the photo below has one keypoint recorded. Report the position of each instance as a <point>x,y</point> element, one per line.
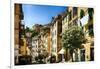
<point>18,16</point>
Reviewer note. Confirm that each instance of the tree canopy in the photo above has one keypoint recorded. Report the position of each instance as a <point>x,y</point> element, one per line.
<point>34,33</point>
<point>73,38</point>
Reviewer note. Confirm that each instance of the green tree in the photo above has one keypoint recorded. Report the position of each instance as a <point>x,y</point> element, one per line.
<point>27,29</point>
<point>72,39</point>
<point>34,33</point>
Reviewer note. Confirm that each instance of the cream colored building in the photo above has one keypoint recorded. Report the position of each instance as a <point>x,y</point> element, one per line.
<point>55,31</point>
<point>34,51</point>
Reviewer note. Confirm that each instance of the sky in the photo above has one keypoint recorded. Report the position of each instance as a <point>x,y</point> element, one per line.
<point>40,14</point>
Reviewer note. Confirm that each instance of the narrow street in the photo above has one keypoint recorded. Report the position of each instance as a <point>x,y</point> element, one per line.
<point>53,34</point>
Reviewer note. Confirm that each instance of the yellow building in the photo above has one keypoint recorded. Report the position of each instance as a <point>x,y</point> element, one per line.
<point>86,19</point>
<point>23,48</point>
<point>45,41</point>
<point>80,16</point>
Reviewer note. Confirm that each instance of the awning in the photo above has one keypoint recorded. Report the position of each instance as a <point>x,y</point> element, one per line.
<point>54,53</point>
<point>62,51</point>
<point>84,20</point>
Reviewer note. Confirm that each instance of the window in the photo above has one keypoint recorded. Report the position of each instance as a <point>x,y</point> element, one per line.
<point>70,16</point>
<point>64,20</point>
<point>92,54</point>
<point>90,12</point>
<point>55,32</point>
<point>55,41</point>
<point>21,42</point>
<point>55,23</point>
<point>74,11</point>
<point>91,32</point>
<point>82,13</point>
<point>82,52</point>
<point>52,34</point>
<point>54,49</point>
<point>75,22</point>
